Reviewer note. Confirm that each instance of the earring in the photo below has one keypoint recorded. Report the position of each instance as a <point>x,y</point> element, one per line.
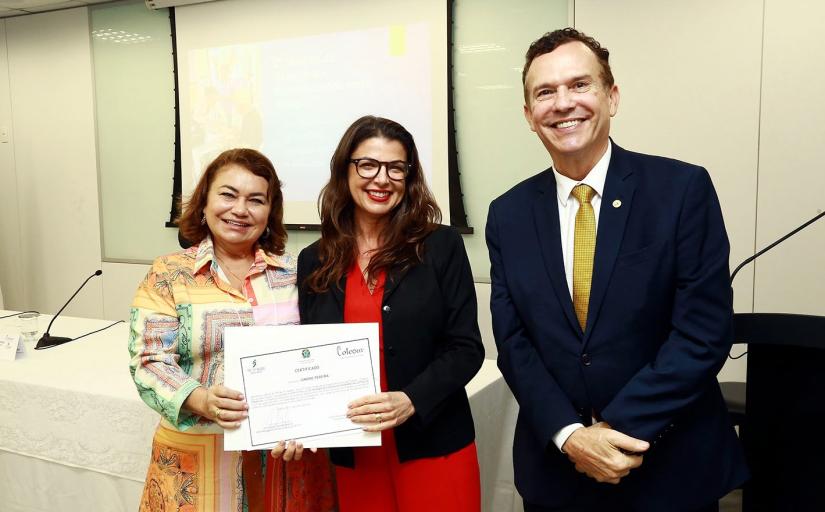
<point>203,219</point>
<point>266,233</point>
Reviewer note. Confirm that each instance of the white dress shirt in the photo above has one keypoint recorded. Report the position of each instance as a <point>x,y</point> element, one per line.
<point>568,207</point>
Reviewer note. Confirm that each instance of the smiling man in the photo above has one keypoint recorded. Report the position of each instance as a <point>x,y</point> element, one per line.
<point>611,307</point>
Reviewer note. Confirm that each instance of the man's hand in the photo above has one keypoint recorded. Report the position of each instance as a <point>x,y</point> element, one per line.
<point>604,454</point>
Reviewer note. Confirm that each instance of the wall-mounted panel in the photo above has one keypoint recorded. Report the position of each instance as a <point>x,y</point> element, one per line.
<point>496,148</point>
<point>791,277</point>
<point>50,73</point>
<point>11,277</point>
<point>688,73</point>
<point>135,109</point>
<point>689,77</point>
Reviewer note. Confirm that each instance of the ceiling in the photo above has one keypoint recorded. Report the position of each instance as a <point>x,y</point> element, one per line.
<point>10,8</point>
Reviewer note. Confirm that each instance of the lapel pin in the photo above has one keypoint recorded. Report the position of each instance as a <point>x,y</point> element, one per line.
<point>617,203</point>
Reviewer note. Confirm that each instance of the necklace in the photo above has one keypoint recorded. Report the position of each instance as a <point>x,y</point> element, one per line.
<point>364,272</point>
<point>371,283</point>
<point>225,267</point>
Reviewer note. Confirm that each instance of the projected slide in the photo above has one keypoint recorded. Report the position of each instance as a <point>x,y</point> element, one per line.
<point>287,77</point>
<point>292,98</point>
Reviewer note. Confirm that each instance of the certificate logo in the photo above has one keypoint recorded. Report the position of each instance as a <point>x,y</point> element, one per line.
<point>253,368</point>
<point>305,353</point>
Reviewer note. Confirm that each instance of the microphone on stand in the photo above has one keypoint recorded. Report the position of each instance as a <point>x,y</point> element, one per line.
<point>47,340</point>
<point>768,248</point>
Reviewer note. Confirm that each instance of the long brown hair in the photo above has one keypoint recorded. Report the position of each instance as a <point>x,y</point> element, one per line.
<point>191,225</point>
<point>409,223</point>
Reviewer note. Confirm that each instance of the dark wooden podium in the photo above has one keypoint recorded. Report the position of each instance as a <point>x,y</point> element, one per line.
<point>783,431</point>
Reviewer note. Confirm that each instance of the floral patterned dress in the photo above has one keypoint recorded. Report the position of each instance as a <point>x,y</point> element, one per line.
<point>178,318</point>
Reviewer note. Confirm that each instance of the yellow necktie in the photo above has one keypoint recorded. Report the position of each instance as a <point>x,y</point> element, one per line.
<point>584,247</point>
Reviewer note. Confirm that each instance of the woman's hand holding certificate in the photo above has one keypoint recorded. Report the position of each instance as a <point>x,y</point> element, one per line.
<point>224,406</point>
<point>382,411</point>
<point>289,450</point>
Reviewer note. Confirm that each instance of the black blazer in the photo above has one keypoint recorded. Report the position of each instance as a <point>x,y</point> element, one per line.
<point>432,345</point>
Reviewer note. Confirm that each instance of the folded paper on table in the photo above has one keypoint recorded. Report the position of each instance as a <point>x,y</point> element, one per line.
<point>298,380</point>
<point>10,346</point>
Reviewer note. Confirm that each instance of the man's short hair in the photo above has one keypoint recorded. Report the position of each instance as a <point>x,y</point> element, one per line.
<point>552,40</point>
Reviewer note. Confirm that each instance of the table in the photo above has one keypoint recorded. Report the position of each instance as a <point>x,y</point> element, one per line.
<point>74,434</point>
<point>494,414</point>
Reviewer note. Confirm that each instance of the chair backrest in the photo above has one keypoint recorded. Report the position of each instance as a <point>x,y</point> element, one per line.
<point>785,401</point>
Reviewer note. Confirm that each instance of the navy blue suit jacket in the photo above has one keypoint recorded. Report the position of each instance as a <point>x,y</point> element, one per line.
<point>658,329</point>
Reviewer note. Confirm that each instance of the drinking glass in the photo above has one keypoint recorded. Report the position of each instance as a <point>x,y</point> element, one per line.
<point>29,325</point>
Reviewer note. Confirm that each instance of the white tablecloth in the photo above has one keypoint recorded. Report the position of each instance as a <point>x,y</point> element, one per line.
<point>494,414</point>
<point>74,435</point>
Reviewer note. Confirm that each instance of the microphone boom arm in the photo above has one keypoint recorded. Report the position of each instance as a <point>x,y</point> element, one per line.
<point>768,248</point>
<point>47,340</point>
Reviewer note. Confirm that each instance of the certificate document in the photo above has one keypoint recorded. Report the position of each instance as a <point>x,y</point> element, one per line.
<point>298,380</point>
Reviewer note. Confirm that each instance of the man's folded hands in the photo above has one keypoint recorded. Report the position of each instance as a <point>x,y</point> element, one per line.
<point>604,454</point>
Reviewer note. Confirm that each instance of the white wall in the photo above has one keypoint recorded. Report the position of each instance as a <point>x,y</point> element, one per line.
<point>699,82</point>
<point>11,278</point>
<point>55,167</point>
<point>791,171</point>
<point>686,94</point>
<point>732,85</point>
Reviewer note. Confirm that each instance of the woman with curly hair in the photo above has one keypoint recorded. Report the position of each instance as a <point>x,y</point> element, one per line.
<point>384,258</point>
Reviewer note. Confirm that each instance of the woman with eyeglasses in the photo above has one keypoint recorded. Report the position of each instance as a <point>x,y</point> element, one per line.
<point>384,258</point>
<point>236,274</point>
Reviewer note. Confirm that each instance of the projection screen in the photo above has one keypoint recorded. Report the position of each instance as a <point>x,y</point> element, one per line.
<point>288,77</point>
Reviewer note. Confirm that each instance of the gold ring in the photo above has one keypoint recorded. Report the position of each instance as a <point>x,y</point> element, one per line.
<point>217,413</point>
<point>378,417</point>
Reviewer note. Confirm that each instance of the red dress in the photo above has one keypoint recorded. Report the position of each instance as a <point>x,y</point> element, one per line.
<point>379,482</point>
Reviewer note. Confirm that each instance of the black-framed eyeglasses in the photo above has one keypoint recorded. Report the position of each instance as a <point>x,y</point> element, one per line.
<point>368,168</point>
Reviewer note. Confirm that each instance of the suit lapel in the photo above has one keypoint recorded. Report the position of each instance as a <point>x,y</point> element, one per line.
<point>394,277</point>
<point>338,293</point>
<point>619,188</point>
<point>546,216</point>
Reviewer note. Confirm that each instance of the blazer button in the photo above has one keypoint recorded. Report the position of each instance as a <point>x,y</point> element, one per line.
<point>390,351</point>
<point>387,309</point>
<point>586,359</point>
